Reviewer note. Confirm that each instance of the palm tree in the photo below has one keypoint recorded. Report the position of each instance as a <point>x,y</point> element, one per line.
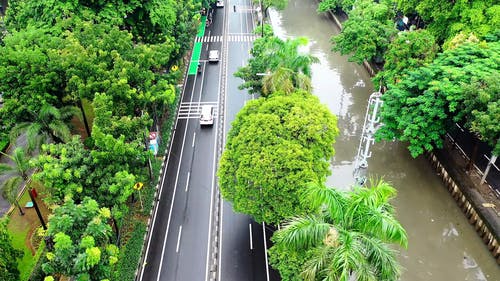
<point>348,239</point>
<point>17,174</point>
<point>286,81</point>
<point>289,68</point>
<point>50,123</point>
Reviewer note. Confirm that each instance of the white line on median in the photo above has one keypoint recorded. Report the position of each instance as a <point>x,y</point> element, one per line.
<point>265,250</point>
<point>187,182</point>
<point>178,239</point>
<point>251,236</point>
<point>173,196</point>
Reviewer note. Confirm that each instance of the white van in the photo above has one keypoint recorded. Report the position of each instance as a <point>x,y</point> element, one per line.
<point>207,115</point>
<point>213,56</point>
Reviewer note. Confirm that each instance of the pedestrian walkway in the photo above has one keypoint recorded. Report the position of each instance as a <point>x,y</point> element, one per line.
<point>230,38</point>
<point>192,110</point>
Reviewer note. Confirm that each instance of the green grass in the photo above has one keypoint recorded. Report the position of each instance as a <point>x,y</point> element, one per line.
<point>19,229</point>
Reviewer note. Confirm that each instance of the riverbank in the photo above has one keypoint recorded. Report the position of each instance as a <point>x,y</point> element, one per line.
<point>473,199</point>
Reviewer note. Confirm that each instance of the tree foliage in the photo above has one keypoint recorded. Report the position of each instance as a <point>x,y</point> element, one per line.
<point>279,63</point>
<point>445,19</point>
<point>78,246</point>
<point>17,174</point>
<point>348,235</point>
<point>8,254</point>
<point>407,51</point>
<point>40,68</point>
<point>149,21</point>
<point>419,108</point>
<point>367,32</point>
<point>275,146</point>
<point>106,173</point>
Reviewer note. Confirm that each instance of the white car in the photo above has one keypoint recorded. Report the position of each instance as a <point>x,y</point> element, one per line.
<point>213,56</point>
<point>207,115</point>
<point>220,4</point>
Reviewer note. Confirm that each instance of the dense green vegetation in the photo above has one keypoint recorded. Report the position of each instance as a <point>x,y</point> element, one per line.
<point>442,68</point>
<point>274,167</point>
<point>85,81</point>
<point>423,104</point>
<point>78,244</point>
<point>276,145</point>
<point>347,235</point>
<point>9,254</point>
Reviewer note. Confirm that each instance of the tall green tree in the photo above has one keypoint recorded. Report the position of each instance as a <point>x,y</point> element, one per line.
<point>286,81</point>
<point>419,108</point>
<point>349,235</point>
<point>17,174</point>
<point>274,146</point>
<point>61,67</point>
<point>78,242</point>
<point>8,254</point>
<point>336,5</point>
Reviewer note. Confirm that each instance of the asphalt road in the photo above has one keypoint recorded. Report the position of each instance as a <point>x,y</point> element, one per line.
<point>178,248</point>
<point>242,255</point>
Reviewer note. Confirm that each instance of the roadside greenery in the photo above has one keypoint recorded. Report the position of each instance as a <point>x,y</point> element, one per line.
<point>274,166</point>
<point>78,244</point>
<point>366,34</point>
<point>277,65</point>
<point>349,234</point>
<point>427,89</point>
<point>105,66</point>
<point>275,146</point>
<point>420,107</point>
<point>9,254</point>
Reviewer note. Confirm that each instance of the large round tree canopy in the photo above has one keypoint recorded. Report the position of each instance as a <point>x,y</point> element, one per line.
<point>276,146</point>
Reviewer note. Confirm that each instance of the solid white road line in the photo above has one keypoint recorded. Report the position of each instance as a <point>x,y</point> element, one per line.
<point>194,138</point>
<point>173,197</point>
<point>178,239</point>
<point>222,71</point>
<point>212,195</point>
<point>251,236</point>
<point>187,182</point>
<point>265,250</point>
<point>161,185</point>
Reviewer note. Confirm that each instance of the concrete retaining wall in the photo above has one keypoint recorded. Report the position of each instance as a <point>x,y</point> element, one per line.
<point>484,219</point>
